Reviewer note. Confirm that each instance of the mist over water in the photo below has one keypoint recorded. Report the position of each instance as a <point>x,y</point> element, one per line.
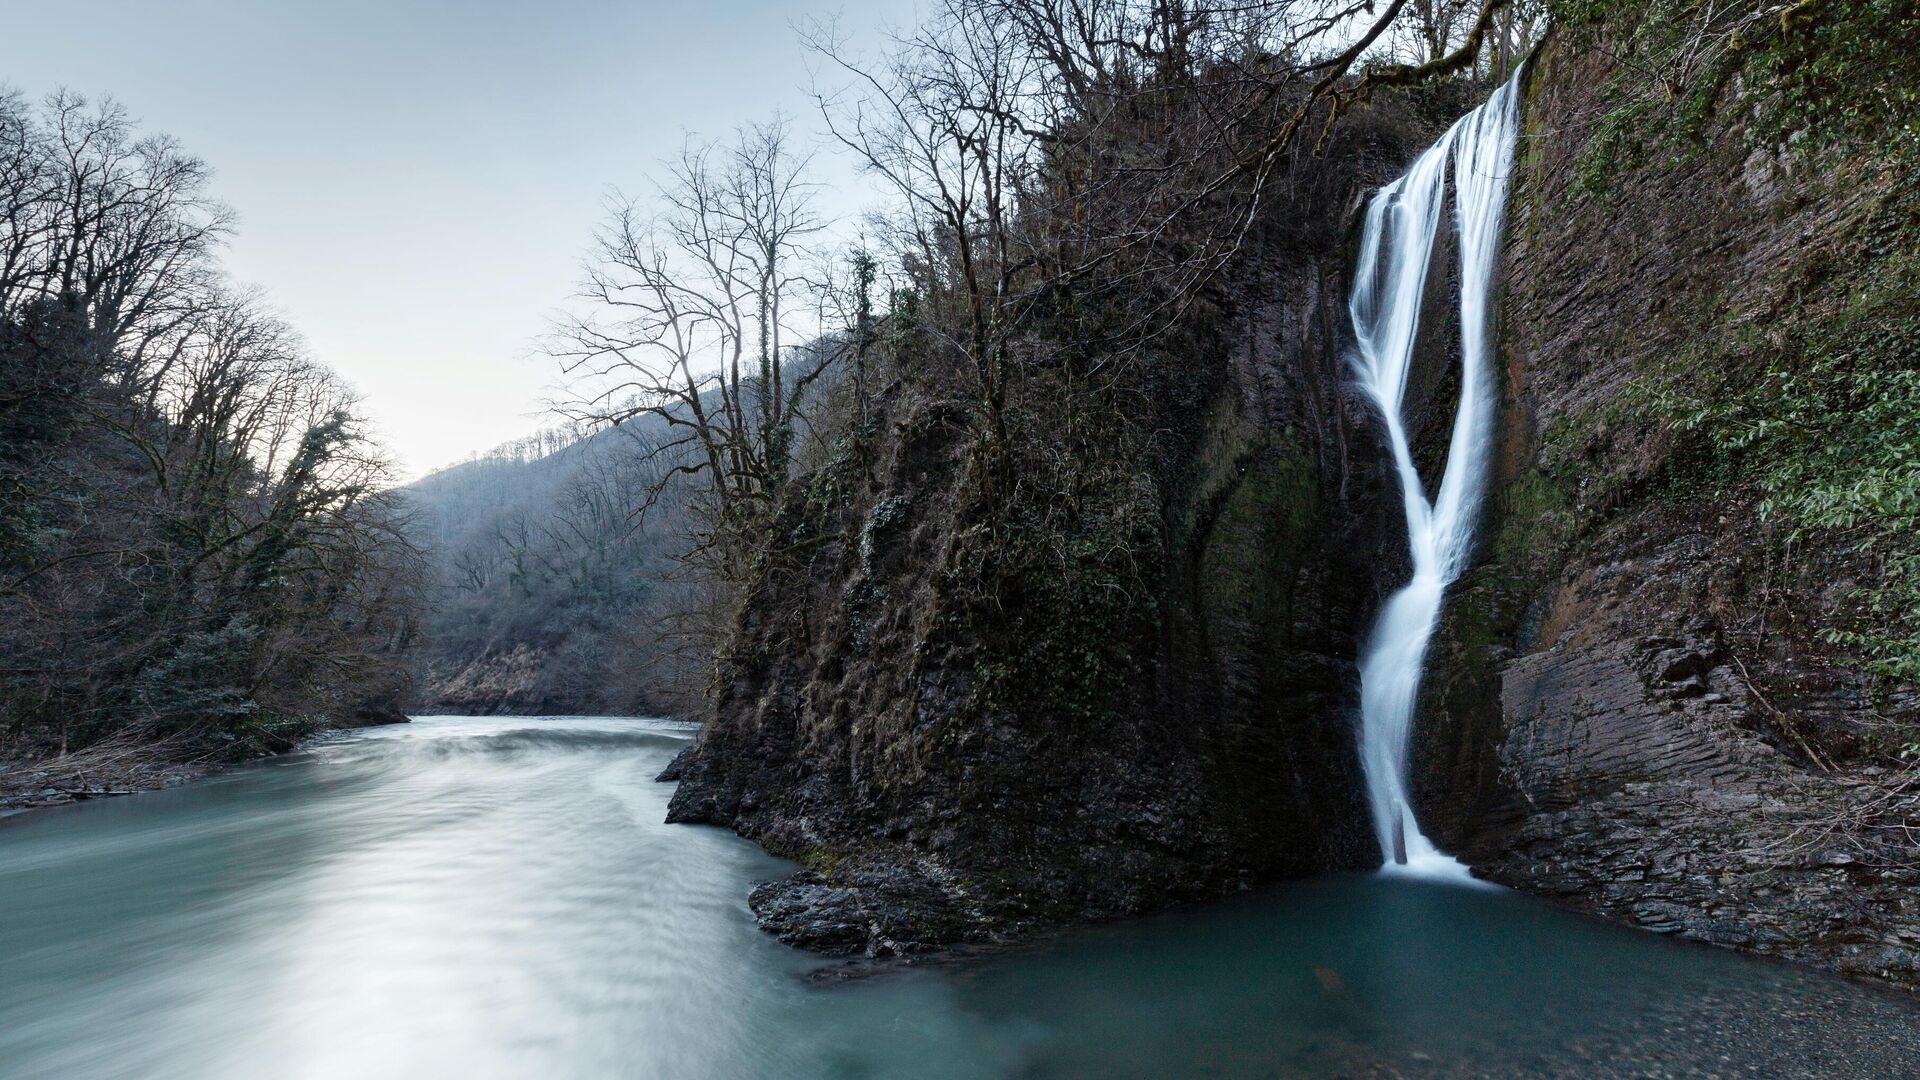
<point>1390,282</point>
<point>499,898</point>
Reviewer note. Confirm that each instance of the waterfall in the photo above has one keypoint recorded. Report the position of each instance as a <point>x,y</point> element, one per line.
<point>1389,283</point>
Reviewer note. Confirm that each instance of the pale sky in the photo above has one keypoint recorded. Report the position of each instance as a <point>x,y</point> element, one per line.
<point>416,180</point>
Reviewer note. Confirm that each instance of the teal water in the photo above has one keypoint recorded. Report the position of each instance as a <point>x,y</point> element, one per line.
<point>498,898</point>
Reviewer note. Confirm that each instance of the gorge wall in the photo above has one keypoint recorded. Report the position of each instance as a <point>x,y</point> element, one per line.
<point>1635,702</point>
<point>1132,684</point>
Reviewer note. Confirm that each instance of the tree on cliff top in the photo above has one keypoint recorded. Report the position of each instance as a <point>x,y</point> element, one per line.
<point>1066,179</point>
<point>690,316</point>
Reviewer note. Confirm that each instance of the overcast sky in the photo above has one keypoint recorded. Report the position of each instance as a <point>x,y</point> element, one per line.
<point>416,180</point>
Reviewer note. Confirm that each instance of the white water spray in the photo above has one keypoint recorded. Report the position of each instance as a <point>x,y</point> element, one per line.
<point>1389,284</point>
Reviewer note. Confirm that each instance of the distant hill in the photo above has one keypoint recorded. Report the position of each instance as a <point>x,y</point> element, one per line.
<point>547,596</point>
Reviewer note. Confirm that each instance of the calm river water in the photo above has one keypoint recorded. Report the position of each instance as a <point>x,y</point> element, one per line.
<point>498,897</point>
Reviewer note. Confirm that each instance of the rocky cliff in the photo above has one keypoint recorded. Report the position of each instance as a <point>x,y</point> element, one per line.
<point>1637,702</point>
<point>509,682</point>
<point>1650,697</point>
<point>1130,684</point>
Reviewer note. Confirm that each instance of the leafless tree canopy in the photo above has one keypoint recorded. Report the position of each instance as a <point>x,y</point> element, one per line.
<point>195,535</point>
<point>1041,152</point>
<point>1068,174</point>
<point>693,297</point>
<point>1063,179</point>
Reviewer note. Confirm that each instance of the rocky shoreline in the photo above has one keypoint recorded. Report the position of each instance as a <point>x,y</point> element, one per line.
<point>128,768</point>
<point>30,784</point>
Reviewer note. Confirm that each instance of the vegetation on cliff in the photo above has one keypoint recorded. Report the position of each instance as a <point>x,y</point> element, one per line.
<point>1055,617</point>
<point>1677,688</point>
<point>1811,415</point>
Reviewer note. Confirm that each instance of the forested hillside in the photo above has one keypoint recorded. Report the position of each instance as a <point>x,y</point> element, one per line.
<point>550,592</point>
<point>199,555</point>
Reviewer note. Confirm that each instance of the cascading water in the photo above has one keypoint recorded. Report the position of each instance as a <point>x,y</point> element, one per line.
<point>1389,285</point>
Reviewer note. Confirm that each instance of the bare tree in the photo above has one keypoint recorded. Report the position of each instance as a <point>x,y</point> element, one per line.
<point>198,535</point>
<point>690,303</point>
<point>1089,160</point>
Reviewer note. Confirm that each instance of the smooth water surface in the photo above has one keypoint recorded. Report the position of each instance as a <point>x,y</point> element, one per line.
<point>499,898</point>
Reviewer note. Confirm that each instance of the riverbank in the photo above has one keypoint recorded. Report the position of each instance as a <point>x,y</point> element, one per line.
<point>130,766</point>
<point>95,773</point>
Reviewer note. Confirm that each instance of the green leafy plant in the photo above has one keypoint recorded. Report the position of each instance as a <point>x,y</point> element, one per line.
<point>1824,420</point>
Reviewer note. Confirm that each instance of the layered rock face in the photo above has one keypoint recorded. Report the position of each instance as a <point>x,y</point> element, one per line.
<point>1628,706</point>
<point>942,762</point>
<point>494,684</point>
<point>526,680</point>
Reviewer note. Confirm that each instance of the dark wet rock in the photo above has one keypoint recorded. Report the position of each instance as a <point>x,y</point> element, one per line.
<point>807,913</point>
<point>671,773</point>
<point>375,714</point>
<point>878,913</point>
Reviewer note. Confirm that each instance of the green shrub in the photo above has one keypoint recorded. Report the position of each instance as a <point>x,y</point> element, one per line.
<point>1822,416</point>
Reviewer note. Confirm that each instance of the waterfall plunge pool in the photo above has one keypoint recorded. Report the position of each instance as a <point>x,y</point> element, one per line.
<point>498,897</point>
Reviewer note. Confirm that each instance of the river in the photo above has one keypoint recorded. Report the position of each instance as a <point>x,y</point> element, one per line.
<point>498,897</point>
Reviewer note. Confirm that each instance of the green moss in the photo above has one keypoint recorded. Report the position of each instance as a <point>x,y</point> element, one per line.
<point>1457,767</point>
<point>820,860</point>
<point>1535,520</point>
<point>1818,75</point>
<point>1575,451</point>
<point>1271,514</point>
